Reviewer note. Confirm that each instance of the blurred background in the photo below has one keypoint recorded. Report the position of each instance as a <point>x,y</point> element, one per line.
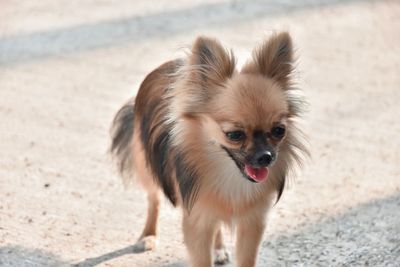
<point>67,66</point>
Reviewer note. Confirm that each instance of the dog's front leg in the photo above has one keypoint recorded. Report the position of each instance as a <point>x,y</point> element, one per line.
<point>248,238</point>
<point>199,232</point>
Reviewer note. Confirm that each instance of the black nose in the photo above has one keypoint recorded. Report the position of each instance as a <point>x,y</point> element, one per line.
<point>265,158</point>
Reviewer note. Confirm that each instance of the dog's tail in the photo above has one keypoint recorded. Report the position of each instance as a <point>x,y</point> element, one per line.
<point>122,131</point>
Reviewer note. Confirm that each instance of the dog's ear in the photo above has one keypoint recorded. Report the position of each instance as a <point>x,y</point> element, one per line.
<point>274,59</point>
<point>210,64</point>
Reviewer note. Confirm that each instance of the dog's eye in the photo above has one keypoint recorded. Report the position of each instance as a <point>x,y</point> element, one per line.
<point>236,136</point>
<point>278,132</point>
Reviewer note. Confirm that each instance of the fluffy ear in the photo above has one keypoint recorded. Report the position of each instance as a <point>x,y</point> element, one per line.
<point>210,63</point>
<point>274,59</point>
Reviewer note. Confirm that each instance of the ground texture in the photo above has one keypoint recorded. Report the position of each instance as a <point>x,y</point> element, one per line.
<point>67,66</point>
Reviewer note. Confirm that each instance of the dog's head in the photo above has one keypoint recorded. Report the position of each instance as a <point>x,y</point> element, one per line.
<point>227,122</point>
<point>245,113</point>
<point>248,111</point>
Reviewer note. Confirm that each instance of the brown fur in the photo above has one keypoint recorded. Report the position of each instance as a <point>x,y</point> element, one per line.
<point>174,139</point>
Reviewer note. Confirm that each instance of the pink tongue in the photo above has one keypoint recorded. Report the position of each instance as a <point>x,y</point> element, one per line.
<point>258,175</point>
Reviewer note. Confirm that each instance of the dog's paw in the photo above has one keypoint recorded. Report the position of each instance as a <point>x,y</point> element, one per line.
<point>145,243</point>
<point>221,256</point>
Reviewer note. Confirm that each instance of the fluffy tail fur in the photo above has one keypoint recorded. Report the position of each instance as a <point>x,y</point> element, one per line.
<point>122,140</point>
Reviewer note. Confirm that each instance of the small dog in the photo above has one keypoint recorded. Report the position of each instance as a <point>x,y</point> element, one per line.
<point>215,140</point>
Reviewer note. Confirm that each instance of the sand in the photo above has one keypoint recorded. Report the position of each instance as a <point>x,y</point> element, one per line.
<point>67,66</point>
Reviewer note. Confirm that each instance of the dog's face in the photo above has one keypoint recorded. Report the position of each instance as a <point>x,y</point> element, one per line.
<point>251,114</point>
<point>245,113</point>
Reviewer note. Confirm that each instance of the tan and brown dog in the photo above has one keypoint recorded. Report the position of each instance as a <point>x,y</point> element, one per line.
<point>217,141</point>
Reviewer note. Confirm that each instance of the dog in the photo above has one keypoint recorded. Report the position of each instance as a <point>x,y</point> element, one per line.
<point>216,141</point>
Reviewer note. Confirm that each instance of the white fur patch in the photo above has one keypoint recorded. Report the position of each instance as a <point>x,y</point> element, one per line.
<point>221,256</point>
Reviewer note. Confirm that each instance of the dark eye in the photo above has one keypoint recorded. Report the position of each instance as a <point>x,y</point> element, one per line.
<point>278,132</point>
<point>236,136</point>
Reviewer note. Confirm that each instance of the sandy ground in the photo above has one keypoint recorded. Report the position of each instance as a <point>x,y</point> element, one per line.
<point>67,66</point>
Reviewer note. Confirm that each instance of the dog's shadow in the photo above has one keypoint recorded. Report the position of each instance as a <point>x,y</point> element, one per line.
<point>177,264</point>
<point>133,249</point>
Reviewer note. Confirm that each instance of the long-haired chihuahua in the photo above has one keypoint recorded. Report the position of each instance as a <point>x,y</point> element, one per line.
<point>217,141</point>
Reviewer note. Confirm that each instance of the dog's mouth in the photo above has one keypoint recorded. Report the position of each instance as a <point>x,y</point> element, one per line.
<point>251,173</point>
<point>255,175</point>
